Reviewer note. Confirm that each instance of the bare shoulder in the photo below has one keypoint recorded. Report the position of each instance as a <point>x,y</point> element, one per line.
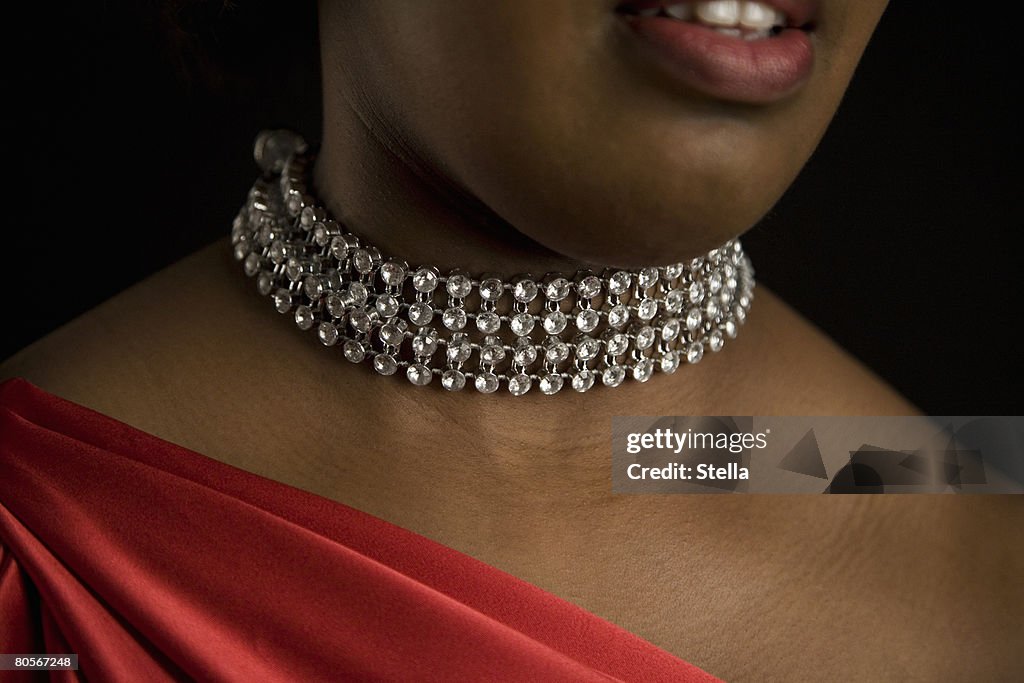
<point>137,355</point>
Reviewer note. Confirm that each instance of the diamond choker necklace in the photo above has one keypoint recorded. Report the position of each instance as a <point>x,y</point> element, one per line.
<point>486,331</point>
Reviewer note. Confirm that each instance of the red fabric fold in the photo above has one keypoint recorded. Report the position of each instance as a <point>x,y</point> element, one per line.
<point>153,562</point>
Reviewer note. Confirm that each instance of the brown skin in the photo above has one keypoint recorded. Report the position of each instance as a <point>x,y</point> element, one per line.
<point>750,588</point>
<point>547,117</point>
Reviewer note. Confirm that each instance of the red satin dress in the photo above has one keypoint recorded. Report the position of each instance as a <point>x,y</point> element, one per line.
<point>155,563</point>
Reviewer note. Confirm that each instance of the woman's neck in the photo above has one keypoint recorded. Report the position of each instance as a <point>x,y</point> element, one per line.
<point>379,187</point>
<point>376,184</point>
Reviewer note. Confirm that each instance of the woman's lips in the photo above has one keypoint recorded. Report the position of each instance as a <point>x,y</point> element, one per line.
<point>759,71</point>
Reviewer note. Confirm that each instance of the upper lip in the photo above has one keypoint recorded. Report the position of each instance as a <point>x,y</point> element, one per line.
<point>800,13</point>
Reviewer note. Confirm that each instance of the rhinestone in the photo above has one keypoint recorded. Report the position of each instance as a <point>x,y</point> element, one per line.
<point>354,351</point>
<point>670,329</point>
<point>425,280</point>
<point>359,319</point>
<point>293,271</point>
<point>613,375</point>
<point>618,315</point>
<point>391,334</point>
<point>673,271</point>
<point>490,289</point>
<point>357,294</point>
<point>714,256</point>
<point>307,217</point>
<point>282,300</point>
<point>647,277</point>
<point>486,382</point>
<point>554,322</point>
<point>619,282</point>
<point>694,352</point>
<point>362,261</point>
<point>587,320</point>
<point>616,343</point>
<point>647,309</point>
<point>714,282</point>
<point>694,318</point>
<point>313,287</point>
<point>645,337</point>
<point>524,291</point>
<point>716,341</point>
<point>643,370</point>
<point>519,384</point>
<point>320,234</point>
<point>674,301</point>
<point>488,322</point>
<point>328,334</point>
<point>278,252</point>
<point>424,344</point>
<point>241,250</point>
<point>459,349</point>
<point>557,288</point>
<point>387,306</point>
<point>385,364</point>
<point>555,351</point>
<point>454,318</point>
<point>550,383</point>
<point>264,283</point>
<point>342,246</point>
<point>252,264</point>
<point>453,380</point>
<point>522,324</point>
<point>711,309</point>
<point>304,317</point>
<point>524,352</point>
<point>583,380</point>
<point>670,362</point>
<point>730,329</point>
<point>493,351</point>
<point>421,313</point>
<point>459,285</point>
<point>393,272</point>
<point>725,297</point>
<point>419,374</point>
<point>293,203</point>
<point>696,292</point>
<point>587,347</point>
<point>589,287</point>
<point>335,305</point>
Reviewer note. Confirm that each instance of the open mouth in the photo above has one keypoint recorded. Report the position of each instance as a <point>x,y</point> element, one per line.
<point>736,18</point>
<point>742,50</point>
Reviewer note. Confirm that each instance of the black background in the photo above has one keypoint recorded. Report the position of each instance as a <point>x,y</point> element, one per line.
<point>899,239</point>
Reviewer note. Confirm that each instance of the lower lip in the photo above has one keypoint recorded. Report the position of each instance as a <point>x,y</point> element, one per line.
<point>752,71</point>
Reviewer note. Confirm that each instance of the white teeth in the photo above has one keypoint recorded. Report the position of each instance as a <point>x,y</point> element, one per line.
<point>757,16</point>
<point>719,12</point>
<point>739,18</point>
<point>681,10</point>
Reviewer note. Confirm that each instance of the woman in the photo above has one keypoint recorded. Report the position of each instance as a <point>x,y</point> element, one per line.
<point>493,138</point>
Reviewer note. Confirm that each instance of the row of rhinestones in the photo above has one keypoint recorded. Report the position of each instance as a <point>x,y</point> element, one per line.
<point>370,306</point>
